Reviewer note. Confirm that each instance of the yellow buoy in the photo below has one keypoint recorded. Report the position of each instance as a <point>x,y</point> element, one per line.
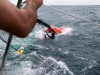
<point>20,51</point>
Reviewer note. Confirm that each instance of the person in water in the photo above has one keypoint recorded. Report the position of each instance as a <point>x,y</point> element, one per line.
<point>52,36</point>
<point>51,32</point>
<point>18,22</point>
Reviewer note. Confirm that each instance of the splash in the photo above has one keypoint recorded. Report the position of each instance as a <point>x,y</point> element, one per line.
<point>39,33</point>
<point>67,31</point>
<point>31,67</point>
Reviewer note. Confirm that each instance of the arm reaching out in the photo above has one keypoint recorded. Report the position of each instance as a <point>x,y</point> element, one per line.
<point>19,22</point>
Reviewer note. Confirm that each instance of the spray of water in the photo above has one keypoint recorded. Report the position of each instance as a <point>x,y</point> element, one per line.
<point>39,33</point>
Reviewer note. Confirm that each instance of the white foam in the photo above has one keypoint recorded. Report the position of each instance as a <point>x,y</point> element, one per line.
<point>39,33</point>
<point>92,63</point>
<point>25,68</point>
<point>80,57</point>
<point>61,64</point>
<point>67,31</point>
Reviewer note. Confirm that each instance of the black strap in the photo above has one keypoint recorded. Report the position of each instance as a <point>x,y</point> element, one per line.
<point>19,3</point>
<point>43,23</point>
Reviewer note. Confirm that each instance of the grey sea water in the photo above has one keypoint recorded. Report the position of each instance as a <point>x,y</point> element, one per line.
<point>76,52</point>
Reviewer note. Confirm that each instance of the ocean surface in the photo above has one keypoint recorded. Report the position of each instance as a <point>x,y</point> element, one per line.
<point>75,52</point>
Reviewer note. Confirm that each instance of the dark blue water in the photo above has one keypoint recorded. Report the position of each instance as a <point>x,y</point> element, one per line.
<point>76,52</point>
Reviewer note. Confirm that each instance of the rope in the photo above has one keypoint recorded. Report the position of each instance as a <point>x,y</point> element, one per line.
<point>72,15</point>
<point>38,57</point>
<point>3,39</point>
<point>6,42</point>
<point>5,54</point>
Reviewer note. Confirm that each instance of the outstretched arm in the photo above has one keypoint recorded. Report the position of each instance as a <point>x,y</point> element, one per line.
<point>19,22</point>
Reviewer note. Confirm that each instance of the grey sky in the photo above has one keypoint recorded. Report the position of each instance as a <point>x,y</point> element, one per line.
<point>67,2</point>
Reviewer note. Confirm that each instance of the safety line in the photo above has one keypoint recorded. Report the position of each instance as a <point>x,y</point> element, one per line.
<point>5,54</point>
<point>3,40</point>
<point>72,15</point>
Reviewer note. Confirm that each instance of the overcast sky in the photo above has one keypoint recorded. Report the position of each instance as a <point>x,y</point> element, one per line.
<point>67,2</point>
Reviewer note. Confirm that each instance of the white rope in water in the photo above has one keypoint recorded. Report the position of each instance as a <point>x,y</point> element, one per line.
<point>22,44</point>
<point>72,15</point>
<point>31,36</point>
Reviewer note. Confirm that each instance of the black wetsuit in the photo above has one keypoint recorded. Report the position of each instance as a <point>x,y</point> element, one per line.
<point>52,35</point>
